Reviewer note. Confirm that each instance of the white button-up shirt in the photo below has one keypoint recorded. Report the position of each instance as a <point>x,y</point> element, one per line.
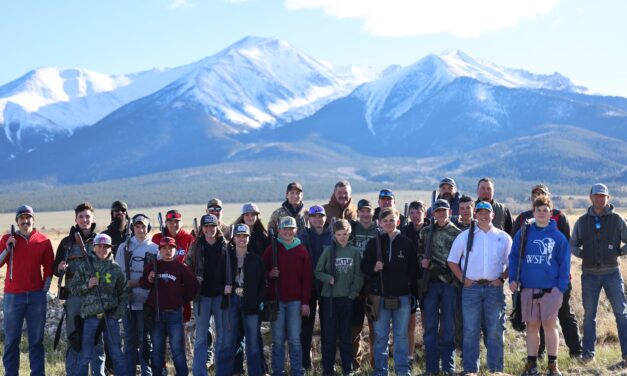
<point>488,256</point>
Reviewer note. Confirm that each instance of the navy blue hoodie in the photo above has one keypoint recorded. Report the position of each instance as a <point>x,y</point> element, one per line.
<point>546,260</point>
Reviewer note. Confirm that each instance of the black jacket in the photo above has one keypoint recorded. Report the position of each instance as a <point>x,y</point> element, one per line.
<point>254,280</point>
<point>562,222</point>
<point>399,268</point>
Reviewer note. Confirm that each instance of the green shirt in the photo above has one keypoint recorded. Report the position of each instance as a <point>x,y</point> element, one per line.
<point>348,278</point>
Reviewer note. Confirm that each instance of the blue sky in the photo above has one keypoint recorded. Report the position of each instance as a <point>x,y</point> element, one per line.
<point>580,39</point>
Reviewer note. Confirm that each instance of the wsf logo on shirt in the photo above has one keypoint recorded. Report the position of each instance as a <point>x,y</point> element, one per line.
<point>546,246</point>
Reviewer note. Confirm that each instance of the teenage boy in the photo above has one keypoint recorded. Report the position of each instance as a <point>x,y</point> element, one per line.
<point>482,270</point>
<point>102,285</point>
<point>293,206</point>
<point>392,280</point>
<point>132,256</point>
<point>315,239</point>
<point>466,213</point>
<point>338,270</point>
<point>293,275</point>
<point>440,298</point>
<point>68,259</point>
<point>25,288</point>
<point>171,285</point>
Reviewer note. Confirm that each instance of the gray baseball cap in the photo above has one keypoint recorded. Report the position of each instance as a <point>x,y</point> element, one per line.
<point>599,189</point>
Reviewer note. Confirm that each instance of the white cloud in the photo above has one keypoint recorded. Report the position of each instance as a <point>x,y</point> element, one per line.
<point>181,4</point>
<point>396,18</point>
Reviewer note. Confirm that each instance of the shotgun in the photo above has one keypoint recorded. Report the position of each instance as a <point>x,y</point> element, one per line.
<point>11,248</point>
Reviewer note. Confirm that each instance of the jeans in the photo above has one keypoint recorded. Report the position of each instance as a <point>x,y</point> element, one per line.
<point>226,353</point>
<point>338,316</point>
<point>615,291</point>
<point>307,328</point>
<point>29,306</point>
<point>136,344</point>
<point>288,321</point>
<point>439,333</point>
<point>400,321</point>
<point>570,328</point>
<point>73,310</point>
<point>487,302</point>
<point>111,337</point>
<point>170,325</point>
<point>209,306</point>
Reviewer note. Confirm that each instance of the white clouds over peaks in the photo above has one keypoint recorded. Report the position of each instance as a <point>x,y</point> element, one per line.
<point>397,18</point>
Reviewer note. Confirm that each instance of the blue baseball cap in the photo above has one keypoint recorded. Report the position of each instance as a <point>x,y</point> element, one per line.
<point>209,220</point>
<point>24,209</point>
<point>484,205</point>
<point>317,209</point>
<point>386,193</point>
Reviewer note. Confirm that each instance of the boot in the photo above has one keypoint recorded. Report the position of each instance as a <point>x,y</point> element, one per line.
<point>553,370</point>
<point>531,369</point>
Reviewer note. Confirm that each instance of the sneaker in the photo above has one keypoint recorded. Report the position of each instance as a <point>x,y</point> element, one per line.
<point>587,358</point>
<point>553,370</point>
<point>531,369</point>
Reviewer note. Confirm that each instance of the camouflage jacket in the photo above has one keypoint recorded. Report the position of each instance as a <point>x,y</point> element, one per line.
<point>443,238</point>
<point>113,288</point>
<point>70,252</point>
<point>286,211</point>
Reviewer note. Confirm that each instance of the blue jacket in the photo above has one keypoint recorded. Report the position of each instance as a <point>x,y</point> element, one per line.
<point>546,260</point>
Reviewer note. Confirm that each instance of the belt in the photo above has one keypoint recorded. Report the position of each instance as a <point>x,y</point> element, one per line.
<point>482,282</point>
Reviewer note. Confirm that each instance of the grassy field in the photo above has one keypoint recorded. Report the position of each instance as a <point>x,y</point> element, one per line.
<point>56,225</point>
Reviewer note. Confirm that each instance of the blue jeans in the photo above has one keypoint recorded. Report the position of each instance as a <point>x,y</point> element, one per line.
<point>209,306</point>
<point>487,302</point>
<point>439,334</point>
<point>114,344</point>
<point>29,306</point>
<point>170,325</point>
<point>97,366</point>
<point>337,325</point>
<point>400,321</point>
<point>615,291</point>
<point>288,320</point>
<point>136,345</point>
<point>226,353</point>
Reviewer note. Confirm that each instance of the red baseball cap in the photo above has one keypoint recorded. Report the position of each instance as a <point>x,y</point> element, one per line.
<point>167,241</point>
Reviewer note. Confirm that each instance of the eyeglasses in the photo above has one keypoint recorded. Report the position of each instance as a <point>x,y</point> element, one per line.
<point>216,209</point>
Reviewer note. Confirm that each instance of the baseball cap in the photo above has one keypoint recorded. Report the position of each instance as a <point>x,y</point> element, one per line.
<point>173,215</point>
<point>317,209</point>
<point>363,203</point>
<point>449,181</point>
<point>119,205</point>
<point>542,188</point>
<point>599,189</point>
<point>24,209</point>
<point>140,218</point>
<point>167,241</point>
<point>294,185</point>
<point>103,239</point>
<point>287,222</point>
<point>241,229</point>
<point>209,220</point>
<point>214,202</point>
<point>483,206</point>
<point>441,204</point>
<point>386,193</point>
<point>249,207</point>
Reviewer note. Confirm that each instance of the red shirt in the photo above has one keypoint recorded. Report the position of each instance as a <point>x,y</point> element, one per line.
<point>183,240</point>
<point>295,273</point>
<point>30,257</point>
<point>176,283</point>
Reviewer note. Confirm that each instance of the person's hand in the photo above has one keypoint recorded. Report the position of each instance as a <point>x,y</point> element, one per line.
<point>513,286</point>
<point>227,289</point>
<point>62,266</point>
<point>332,281</point>
<point>93,281</point>
<point>304,310</point>
<point>378,266</point>
<point>468,282</point>
<point>151,277</point>
<point>424,263</point>
<point>274,273</point>
<point>11,241</point>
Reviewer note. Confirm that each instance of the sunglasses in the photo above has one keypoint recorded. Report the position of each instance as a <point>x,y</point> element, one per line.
<point>216,209</point>
<point>173,216</point>
<point>121,210</point>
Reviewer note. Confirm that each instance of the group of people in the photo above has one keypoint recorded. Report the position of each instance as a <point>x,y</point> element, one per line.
<point>353,264</point>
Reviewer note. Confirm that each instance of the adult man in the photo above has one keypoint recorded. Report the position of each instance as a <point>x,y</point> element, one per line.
<point>340,205</point>
<point>315,239</point>
<point>597,238</point>
<point>447,190</point>
<point>566,316</point>
<point>174,229</point>
<point>214,207</point>
<point>482,271</point>
<point>466,213</point>
<point>292,207</point>
<point>502,216</point>
<point>387,200</point>
<point>25,291</point>
<point>118,228</point>
<point>68,259</point>
<point>440,296</point>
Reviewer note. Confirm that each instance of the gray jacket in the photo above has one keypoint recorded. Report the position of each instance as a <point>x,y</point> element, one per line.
<point>597,240</point>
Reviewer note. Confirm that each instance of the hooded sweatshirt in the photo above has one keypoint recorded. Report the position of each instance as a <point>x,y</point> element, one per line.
<point>348,279</point>
<point>546,260</point>
<point>295,272</point>
<point>599,249</point>
<point>177,285</point>
<point>336,210</point>
<point>132,263</point>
